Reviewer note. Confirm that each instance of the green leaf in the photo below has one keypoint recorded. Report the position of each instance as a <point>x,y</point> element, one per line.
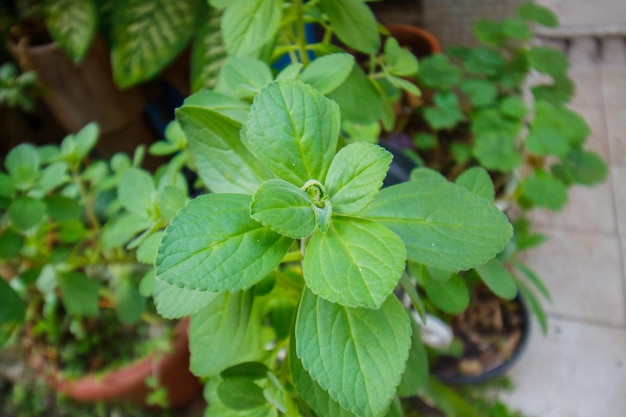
<point>291,71</point>
<point>214,245</point>
<point>243,77</point>
<point>517,29</point>
<point>25,213</point>
<point>442,224</point>
<point>12,306</point>
<point>531,300</point>
<point>548,60</point>
<point>284,208</point>
<point>478,181</point>
<point>489,32</point>
<point>85,140</point>
<point>483,61</point>
<point>360,363</point>
<point>10,244</point>
<point>558,93</point>
<point>52,176</point>
<point>170,200</point>
<point>583,167</point>
<point>539,14</point>
<point>405,85</point>
<point>400,61</point>
<point>354,23</point>
<point>315,396</point>
<point>425,140</point>
<point>294,130</point>
<point>129,303</point>
<point>207,52</point>
<point>446,114</point>
<point>136,192</point>
<point>416,374</point>
<point>480,92</point>
<point>437,72</point>
<point>547,139</point>
<point>534,279</point>
<point>356,175</point>
<point>22,165</point>
<point>63,208</point>
<point>217,332</point>
<point>247,25</point>
<point>146,36</point>
<point>240,394</point>
<point>79,294</point>
<point>72,24</point>
<point>147,250</point>
<point>498,279</point>
<point>249,370</point>
<point>174,302</point>
<point>327,73</point>
<point>122,229</point>
<point>544,190</point>
<point>513,106</point>
<point>497,151</point>
<point>356,90</point>
<point>224,163</point>
<point>491,120</point>
<point>232,108</point>
<point>356,263</point>
<point>450,296</point>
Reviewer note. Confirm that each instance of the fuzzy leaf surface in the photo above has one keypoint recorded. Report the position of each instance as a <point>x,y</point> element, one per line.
<point>214,245</point>
<point>311,392</point>
<point>360,357</point>
<point>327,73</point>
<point>356,175</point>
<point>356,263</point>
<point>294,130</point>
<point>217,331</point>
<point>243,77</point>
<point>284,208</point>
<point>174,302</point>
<point>224,163</point>
<point>442,224</point>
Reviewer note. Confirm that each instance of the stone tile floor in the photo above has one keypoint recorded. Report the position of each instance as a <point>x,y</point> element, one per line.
<point>579,368</point>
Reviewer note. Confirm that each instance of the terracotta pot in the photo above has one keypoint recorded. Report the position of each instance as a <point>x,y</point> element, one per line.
<point>128,383</point>
<point>421,42</point>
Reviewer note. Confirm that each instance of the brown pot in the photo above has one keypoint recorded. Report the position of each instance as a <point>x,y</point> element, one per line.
<point>81,93</point>
<point>128,383</point>
<point>421,42</point>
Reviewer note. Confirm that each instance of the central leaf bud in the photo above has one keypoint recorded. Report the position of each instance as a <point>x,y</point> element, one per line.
<point>316,191</point>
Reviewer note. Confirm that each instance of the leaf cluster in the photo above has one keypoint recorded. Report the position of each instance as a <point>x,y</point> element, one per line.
<point>479,115</point>
<point>68,227</point>
<point>297,248</point>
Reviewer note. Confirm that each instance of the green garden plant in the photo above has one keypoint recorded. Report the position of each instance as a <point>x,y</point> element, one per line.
<point>288,268</point>
<point>475,113</point>
<point>77,239</point>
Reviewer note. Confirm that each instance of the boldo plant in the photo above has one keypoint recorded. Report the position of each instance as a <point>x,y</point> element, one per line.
<point>288,268</point>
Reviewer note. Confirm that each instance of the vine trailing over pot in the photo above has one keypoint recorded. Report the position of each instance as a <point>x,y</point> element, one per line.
<point>297,231</point>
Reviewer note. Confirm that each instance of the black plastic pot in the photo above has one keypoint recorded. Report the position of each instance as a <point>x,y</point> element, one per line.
<point>503,367</point>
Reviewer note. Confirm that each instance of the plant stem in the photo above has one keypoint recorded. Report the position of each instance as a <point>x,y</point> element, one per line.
<point>300,34</point>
